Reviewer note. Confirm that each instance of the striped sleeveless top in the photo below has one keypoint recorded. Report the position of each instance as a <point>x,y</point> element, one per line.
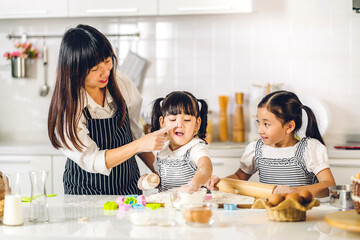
<point>175,172</point>
<point>284,171</point>
<point>122,179</point>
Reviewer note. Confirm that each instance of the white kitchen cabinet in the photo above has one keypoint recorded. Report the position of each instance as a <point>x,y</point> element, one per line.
<point>343,168</point>
<point>32,9</point>
<point>94,8</point>
<point>225,166</point>
<point>24,164</point>
<point>187,7</point>
<point>58,168</point>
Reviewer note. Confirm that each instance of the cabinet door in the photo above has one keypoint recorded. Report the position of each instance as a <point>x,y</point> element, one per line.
<point>184,7</point>
<point>87,8</point>
<point>343,169</point>
<point>58,171</point>
<point>225,166</point>
<point>33,9</point>
<point>24,164</point>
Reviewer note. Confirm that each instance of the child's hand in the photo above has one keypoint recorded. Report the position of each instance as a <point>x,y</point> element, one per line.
<point>189,188</point>
<point>212,182</point>
<point>283,189</point>
<point>139,183</point>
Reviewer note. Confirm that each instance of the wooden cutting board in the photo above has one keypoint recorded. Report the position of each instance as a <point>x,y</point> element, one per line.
<point>348,220</point>
<point>252,189</point>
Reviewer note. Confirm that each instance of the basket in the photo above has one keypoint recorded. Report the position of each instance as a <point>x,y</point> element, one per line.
<point>356,193</point>
<point>288,210</point>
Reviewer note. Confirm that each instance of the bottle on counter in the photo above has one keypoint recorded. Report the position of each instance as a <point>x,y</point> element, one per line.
<point>13,212</point>
<point>209,129</point>
<point>223,125</point>
<point>238,124</point>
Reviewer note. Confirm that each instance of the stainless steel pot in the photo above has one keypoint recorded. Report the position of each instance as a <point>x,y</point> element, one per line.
<point>340,196</point>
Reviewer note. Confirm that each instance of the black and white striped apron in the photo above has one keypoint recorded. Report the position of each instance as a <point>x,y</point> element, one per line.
<point>175,172</point>
<point>122,179</point>
<point>284,171</point>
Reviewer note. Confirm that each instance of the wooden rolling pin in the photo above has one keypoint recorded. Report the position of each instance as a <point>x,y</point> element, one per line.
<point>241,187</point>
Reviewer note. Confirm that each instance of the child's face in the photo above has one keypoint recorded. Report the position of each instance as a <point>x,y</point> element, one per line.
<point>187,126</point>
<point>272,131</point>
<point>98,76</point>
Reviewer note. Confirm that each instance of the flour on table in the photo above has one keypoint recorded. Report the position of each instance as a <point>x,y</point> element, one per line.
<point>217,197</point>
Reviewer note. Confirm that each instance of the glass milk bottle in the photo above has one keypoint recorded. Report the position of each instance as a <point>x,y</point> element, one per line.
<point>13,212</point>
<point>38,204</point>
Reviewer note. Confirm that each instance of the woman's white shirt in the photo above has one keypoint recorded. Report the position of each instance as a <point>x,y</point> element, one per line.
<point>315,156</point>
<point>92,159</point>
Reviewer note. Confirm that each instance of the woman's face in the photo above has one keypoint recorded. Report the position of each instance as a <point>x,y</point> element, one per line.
<point>98,76</point>
<point>187,127</point>
<point>272,131</point>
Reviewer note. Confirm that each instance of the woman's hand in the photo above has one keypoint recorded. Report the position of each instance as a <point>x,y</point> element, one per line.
<point>154,141</point>
<point>212,182</point>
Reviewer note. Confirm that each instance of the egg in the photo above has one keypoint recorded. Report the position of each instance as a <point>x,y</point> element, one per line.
<point>188,216</point>
<point>201,215</point>
<point>306,196</point>
<point>275,199</point>
<point>295,196</point>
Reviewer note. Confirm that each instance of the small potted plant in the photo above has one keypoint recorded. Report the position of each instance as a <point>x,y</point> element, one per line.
<point>20,59</point>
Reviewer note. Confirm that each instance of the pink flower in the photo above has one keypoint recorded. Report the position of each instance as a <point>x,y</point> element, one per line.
<point>15,54</point>
<point>25,51</point>
<point>17,45</point>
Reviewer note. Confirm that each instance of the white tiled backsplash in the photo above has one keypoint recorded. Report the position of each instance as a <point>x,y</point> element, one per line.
<point>311,47</point>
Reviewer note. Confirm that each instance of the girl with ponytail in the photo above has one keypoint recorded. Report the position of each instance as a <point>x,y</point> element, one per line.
<point>184,161</point>
<point>280,157</point>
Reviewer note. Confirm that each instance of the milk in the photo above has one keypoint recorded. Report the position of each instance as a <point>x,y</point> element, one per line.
<point>13,212</point>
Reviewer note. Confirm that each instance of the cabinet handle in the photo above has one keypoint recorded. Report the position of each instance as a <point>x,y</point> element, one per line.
<point>217,164</point>
<point>35,12</point>
<point>192,9</point>
<point>119,10</point>
<point>15,161</point>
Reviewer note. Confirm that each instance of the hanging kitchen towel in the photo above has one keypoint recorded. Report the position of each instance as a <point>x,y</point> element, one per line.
<point>135,67</point>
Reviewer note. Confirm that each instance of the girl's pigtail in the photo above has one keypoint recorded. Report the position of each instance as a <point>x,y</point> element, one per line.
<point>203,115</point>
<point>156,114</point>
<point>312,129</point>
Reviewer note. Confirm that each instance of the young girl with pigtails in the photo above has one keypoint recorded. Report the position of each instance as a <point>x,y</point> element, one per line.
<point>279,156</point>
<point>184,161</point>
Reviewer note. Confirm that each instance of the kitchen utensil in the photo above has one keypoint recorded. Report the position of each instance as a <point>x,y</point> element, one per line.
<point>238,125</point>
<point>135,67</point>
<point>38,202</point>
<point>340,196</point>
<point>28,199</point>
<point>252,189</point>
<point>348,220</point>
<point>223,134</point>
<point>44,90</point>
<point>321,113</point>
<point>199,214</point>
<point>13,212</point>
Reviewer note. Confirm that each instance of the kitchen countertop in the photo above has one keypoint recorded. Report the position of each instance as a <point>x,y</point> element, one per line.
<point>66,211</point>
<point>222,149</point>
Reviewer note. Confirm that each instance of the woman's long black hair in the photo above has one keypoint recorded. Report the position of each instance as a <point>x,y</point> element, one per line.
<point>286,106</point>
<point>180,102</point>
<point>81,49</point>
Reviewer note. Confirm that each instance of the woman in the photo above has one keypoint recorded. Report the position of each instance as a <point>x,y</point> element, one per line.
<point>94,118</point>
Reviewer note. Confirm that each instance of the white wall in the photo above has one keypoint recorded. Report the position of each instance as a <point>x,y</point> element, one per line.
<point>311,47</point>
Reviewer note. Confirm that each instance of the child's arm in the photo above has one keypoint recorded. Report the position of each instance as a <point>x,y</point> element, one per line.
<point>202,175</point>
<point>320,189</point>
<point>239,174</point>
